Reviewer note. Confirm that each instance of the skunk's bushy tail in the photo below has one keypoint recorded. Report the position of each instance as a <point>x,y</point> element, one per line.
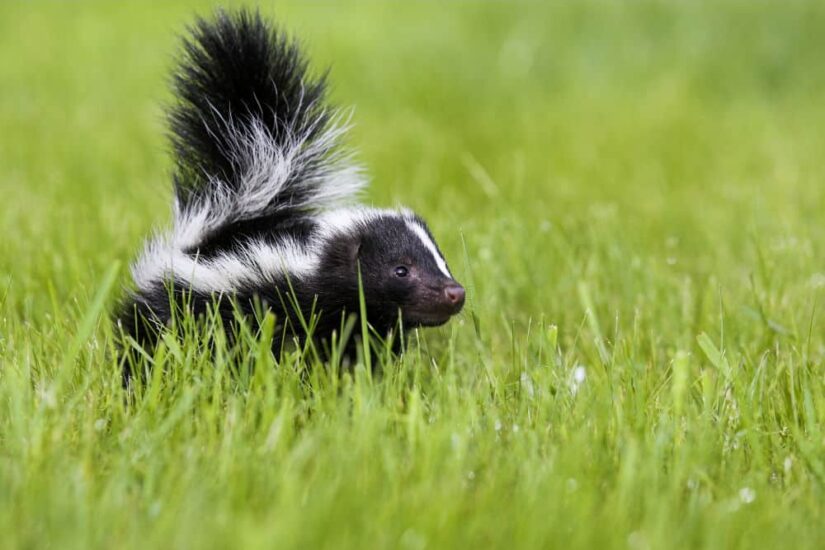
<point>252,136</point>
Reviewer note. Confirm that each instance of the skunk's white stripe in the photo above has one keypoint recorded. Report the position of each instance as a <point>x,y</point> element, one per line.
<point>256,263</point>
<point>268,168</point>
<point>429,245</point>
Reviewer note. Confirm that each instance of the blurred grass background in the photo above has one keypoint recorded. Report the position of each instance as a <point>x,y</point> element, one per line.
<point>645,176</point>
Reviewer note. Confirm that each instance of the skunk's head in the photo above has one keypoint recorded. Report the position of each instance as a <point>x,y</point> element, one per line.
<point>402,269</point>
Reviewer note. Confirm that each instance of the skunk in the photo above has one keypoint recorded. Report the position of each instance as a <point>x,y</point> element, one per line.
<point>263,213</point>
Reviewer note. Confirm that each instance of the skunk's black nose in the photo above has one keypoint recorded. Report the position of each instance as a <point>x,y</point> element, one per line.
<point>454,293</point>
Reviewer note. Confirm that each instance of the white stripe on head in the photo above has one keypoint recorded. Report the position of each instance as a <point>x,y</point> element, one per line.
<point>429,245</point>
<point>335,222</point>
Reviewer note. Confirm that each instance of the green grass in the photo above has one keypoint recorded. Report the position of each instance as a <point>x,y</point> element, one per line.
<point>633,196</point>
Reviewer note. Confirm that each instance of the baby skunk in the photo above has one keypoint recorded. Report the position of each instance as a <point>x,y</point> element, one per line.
<point>259,212</point>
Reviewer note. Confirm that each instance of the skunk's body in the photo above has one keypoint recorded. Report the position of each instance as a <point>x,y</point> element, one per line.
<point>260,192</point>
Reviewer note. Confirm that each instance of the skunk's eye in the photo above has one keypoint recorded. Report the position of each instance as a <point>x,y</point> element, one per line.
<point>401,271</point>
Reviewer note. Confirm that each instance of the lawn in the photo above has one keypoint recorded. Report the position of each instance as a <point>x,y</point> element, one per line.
<point>632,195</point>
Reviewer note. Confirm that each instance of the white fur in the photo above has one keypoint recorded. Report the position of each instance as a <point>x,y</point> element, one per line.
<point>267,169</point>
<point>341,220</point>
<point>258,262</point>
<point>421,233</point>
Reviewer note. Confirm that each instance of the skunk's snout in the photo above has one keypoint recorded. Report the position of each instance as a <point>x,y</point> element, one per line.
<point>434,303</point>
<point>454,293</point>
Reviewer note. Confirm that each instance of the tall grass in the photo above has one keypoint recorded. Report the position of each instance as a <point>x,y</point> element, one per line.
<point>631,193</point>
